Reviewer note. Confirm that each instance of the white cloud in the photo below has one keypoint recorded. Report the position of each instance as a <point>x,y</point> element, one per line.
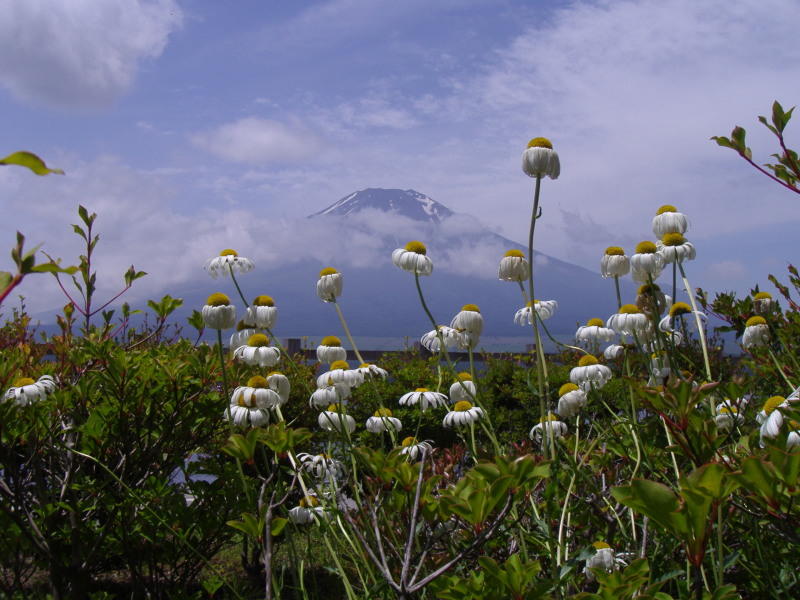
<point>80,53</point>
<point>254,140</point>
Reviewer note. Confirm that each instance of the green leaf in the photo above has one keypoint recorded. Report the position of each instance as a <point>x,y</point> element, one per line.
<point>30,161</point>
<point>278,523</point>
<point>5,280</point>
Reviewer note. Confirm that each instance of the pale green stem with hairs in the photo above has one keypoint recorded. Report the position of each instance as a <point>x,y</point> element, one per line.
<point>347,332</point>
<point>541,369</point>
<point>238,289</point>
<point>619,294</point>
<point>780,369</point>
<point>700,329</point>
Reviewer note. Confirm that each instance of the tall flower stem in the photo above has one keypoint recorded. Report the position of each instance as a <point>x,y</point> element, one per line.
<point>238,289</point>
<point>700,329</point>
<point>347,332</point>
<point>540,364</point>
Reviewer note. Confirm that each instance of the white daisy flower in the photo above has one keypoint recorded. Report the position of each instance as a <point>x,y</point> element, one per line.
<point>432,342</point>
<point>650,299</point>
<point>414,448</point>
<point>334,419</point>
<point>594,331</point>
<point>549,426</point>
<point>613,351</point>
<point>669,220</point>
<point>544,310</point>
<point>756,332</point>
<point>321,466</point>
<point>539,159</point>
<point>330,394</point>
<point>647,263</point>
<point>589,374</point>
<point>370,371</point>
<point>242,334</point>
<point>769,406</point>
<point>329,286</point>
<point>763,303</point>
<point>571,399</point>
<point>463,413</point>
<point>513,266</point>
<point>424,397</point>
<point>219,313</point>
<point>463,388</point>
<point>675,249</point>
<point>727,417</point>
<point>330,350</point>
<point>629,321</point>
<point>604,558</point>
<point>307,511</point>
<point>262,313</point>
<point>469,325</point>
<point>258,352</point>
<point>340,373</point>
<point>614,263</point>
<point>684,312</point>
<point>279,383</point>
<point>247,416</point>
<point>228,261</point>
<point>413,259</point>
<point>25,390</point>
<point>382,421</point>
<point>256,394</point>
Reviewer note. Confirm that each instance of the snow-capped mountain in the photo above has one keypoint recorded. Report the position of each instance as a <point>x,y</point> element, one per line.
<point>408,203</point>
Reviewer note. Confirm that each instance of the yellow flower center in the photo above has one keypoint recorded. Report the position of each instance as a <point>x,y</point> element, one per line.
<point>263,301</point>
<point>550,417</point>
<point>679,308</point>
<point>218,299</point>
<point>309,501</point>
<point>752,321</point>
<point>462,406</point>
<point>762,296</point>
<point>673,239</point>
<point>648,288</point>
<point>463,376</point>
<point>540,142</point>
<point>337,408</point>
<point>258,340</point>
<point>470,308</point>
<point>240,326</point>
<point>409,441</point>
<point>665,209</point>
<point>793,426</point>
<point>567,388</point>
<point>629,309</point>
<point>339,365</point>
<point>615,251</point>
<point>600,545</point>
<point>595,323</point>
<point>229,252</point>
<point>275,373</point>
<point>646,247</point>
<point>257,381</point>
<point>728,410</point>
<point>383,412</point>
<point>332,341</point>
<point>771,404</point>
<point>421,390</point>
<point>586,360</point>
<point>417,247</point>
<point>515,253</point>
<point>328,271</point>
<point>22,381</point>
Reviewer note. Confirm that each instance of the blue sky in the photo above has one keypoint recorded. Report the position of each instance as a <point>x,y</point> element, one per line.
<point>192,126</point>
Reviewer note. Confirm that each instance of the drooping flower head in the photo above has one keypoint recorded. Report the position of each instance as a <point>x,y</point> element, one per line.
<point>594,331</point>
<point>604,558</point>
<point>469,325</point>
<point>321,466</point>
<point>329,286</point>
<point>330,350</point>
<point>651,300</point>
<point>539,159</point>
<point>432,342</point>
<point>513,266</point>
<point>463,388</point>
<point>26,391</point>
<point>628,321</point>
<point>674,248</point>
<point>614,262</point>
<point>669,220</point>
<point>227,262</point>
<point>680,311</point>
<point>763,303</point>
<point>769,406</point>
<point>307,511</point>
<point>424,397</point>
<point>340,372</point>
<point>463,413</point>
<point>262,313</point>
<point>218,312</point>
<point>413,258</point>
<point>548,427</point>
<point>335,419</point>
<point>250,403</point>
<point>647,263</point>
<point>414,448</point>
<point>258,351</point>
<point>589,373</point>
<point>756,332</point>
<point>544,310</point>
<point>571,400</point>
<point>382,421</point>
